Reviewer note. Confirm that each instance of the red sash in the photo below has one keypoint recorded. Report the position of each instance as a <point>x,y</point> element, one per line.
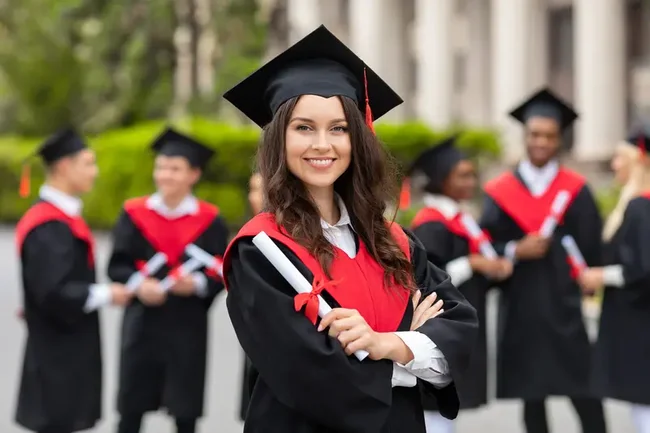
<point>527,211</point>
<point>356,283</point>
<point>454,225</point>
<point>646,195</point>
<point>170,236</point>
<point>43,212</point>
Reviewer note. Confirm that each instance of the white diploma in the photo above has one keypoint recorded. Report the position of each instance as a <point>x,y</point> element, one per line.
<point>186,269</point>
<point>559,205</point>
<point>475,232</point>
<point>293,276</point>
<point>574,253</point>
<point>151,267</point>
<point>209,261</point>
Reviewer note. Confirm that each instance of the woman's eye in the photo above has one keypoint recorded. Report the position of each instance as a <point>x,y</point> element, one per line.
<point>303,128</point>
<point>340,129</point>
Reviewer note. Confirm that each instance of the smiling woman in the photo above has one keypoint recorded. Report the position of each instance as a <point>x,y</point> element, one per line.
<point>327,181</point>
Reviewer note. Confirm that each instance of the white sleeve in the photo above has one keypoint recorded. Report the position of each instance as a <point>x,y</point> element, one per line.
<point>459,270</point>
<point>428,363</point>
<point>99,296</point>
<point>613,276</point>
<point>401,377</point>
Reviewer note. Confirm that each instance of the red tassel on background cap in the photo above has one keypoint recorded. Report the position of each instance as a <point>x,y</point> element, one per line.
<point>405,194</point>
<point>368,110</point>
<point>24,188</point>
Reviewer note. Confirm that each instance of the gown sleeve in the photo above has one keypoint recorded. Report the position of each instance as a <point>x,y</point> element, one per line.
<point>634,250</point>
<point>215,240</point>
<point>454,332</point>
<point>586,227</point>
<point>121,264</point>
<point>306,370</point>
<point>436,240</point>
<point>492,222</point>
<point>48,260</point>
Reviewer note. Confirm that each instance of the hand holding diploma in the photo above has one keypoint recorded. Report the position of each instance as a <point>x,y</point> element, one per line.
<point>150,268</point>
<point>558,207</point>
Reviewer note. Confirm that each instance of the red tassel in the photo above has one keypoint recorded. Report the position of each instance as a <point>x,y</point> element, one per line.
<point>642,148</point>
<point>405,194</point>
<point>368,110</point>
<point>25,187</point>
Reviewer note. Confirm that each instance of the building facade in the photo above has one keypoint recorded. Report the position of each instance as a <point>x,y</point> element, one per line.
<point>471,61</point>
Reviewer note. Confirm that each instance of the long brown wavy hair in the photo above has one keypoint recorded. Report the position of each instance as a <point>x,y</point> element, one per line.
<point>365,187</point>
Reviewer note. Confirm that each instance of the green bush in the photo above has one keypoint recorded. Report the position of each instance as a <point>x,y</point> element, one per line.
<point>125,164</point>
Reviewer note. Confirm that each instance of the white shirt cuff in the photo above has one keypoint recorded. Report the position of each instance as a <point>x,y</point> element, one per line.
<point>428,363</point>
<point>401,377</point>
<point>459,270</point>
<point>200,284</point>
<point>613,276</point>
<point>99,296</point>
<point>509,252</point>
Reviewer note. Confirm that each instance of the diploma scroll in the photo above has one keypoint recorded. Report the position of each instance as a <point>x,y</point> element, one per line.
<point>293,276</point>
<point>558,207</point>
<point>473,229</point>
<point>151,267</point>
<point>574,253</point>
<point>209,261</point>
<point>186,269</point>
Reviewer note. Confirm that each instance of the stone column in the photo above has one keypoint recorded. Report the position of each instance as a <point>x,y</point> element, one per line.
<point>435,61</point>
<point>538,54</point>
<point>510,80</point>
<point>478,94</point>
<point>599,77</point>
<point>304,17</point>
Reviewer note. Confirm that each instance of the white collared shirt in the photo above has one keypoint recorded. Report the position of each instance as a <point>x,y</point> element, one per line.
<point>538,179</point>
<point>459,269</point>
<point>99,295</point>
<point>428,363</point>
<point>188,206</point>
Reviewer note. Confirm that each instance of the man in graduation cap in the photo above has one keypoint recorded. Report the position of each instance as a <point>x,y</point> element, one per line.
<point>61,383</point>
<point>164,333</point>
<point>543,348</point>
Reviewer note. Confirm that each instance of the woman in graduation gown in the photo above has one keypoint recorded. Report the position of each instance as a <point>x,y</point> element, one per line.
<point>326,186</point>
<point>543,347</point>
<point>448,178</point>
<point>623,348</point>
<point>256,200</point>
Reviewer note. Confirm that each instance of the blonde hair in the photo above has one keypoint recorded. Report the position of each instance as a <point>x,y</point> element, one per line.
<point>638,182</point>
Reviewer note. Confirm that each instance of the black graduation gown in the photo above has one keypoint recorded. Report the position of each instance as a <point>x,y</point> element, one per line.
<point>543,347</point>
<point>163,349</point>
<point>61,381</point>
<point>306,383</point>
<point>248,379</point>
<point>623,347</point>
<point>443,246</point>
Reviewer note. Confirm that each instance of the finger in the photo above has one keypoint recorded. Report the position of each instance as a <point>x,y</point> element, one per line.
<point>347,337</point>
<point>335,314</point>
<point>442,310</point>
<point>416,299</point>
<point>360,343</point>
<point>345,324</point>
<point>427,303</point>
<point>430,313</point>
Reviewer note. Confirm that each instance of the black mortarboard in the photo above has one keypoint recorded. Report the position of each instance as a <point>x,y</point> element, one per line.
<point>64,142</point>
<point>173,143</point>
<point>319,64</point>
<point>640,137</point>
<point>545,103</point>
<point>436,163</point>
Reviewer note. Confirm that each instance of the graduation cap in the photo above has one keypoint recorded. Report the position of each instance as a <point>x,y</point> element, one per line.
<point>640,137</point>
<point>436,163</point>
<point>319,64</point>
<point>545,103</point>
<point>65,142</point>
<point>173,143</point>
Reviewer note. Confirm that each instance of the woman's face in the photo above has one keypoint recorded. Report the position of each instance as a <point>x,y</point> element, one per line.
<point>318,147</point>
<point>461,182</point>
<point>255,195</point>
<point>622,162</point>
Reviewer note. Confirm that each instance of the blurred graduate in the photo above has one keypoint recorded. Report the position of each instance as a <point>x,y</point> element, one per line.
<point>165,332</point>
<point>447,177</point>
<point>61,382</point>
<point>543,348</point>
<point>623,347</point>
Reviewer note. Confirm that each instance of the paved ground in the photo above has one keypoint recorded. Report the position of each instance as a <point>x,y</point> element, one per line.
<point>224,371</point>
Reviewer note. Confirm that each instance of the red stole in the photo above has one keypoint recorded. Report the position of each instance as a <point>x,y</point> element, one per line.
<point>454,225</point>
<point>43,212</point>
<point>356,283</point>
<point>170,236</point>
<point>527,211</point>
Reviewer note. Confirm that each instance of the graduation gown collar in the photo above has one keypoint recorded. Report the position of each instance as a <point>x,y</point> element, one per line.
<point>446,206</point>
<point>69,205</point>
<point>188,206</point>
<point>538,179</point>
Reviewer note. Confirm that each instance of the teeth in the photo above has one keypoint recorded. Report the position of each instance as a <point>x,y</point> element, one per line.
<point>322,162</point>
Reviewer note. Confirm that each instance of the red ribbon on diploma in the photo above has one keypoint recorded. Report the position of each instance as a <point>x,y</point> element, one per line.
<point>310,300</point>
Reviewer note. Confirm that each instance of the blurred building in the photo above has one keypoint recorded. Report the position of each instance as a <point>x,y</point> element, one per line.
<point>471,61</point>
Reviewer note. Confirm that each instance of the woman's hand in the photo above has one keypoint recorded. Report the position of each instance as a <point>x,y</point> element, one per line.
<point>591,280</point>
<point>425,310</point>
<point>354,333</point>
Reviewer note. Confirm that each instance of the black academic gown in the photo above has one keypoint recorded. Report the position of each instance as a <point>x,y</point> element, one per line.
<point>543,347</point>
<point>443,246</point>
<point>305,382</point>
<point>61,381</point>
<point>163,349</point>
<point>623,347</point>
